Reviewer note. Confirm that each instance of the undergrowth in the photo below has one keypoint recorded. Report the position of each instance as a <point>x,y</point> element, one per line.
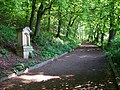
<point>113,52</point>
<point>52,46</point>
<point>22,66</point>
<point>5,52</point>
<point>7,34</point>
<point>49,45</point>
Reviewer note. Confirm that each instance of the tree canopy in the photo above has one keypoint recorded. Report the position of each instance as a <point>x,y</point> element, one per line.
<point>93,20</point>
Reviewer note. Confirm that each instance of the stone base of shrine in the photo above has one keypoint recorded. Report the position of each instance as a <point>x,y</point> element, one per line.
<point>24,51</point>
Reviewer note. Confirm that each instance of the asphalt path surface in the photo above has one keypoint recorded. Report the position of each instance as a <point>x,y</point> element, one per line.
<point>86,68</point>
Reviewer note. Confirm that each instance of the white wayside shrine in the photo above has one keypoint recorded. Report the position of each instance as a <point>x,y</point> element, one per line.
<point>23,47</point>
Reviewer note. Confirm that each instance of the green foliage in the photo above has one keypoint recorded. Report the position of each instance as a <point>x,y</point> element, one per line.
<point>86,11</point>
<point>31,55</point>
<point>19,67</point>
<point>23,66</point>
<point>44,38</point>
<point>2,74</point>
<point>31,63</point>
<point>51,46</point>
<point>75,17</point>
<point>34,53</point>
<point>40,41</point>
<point>93,20</point>
<point>5,52</point>
<point>9,8</point>
<point>57,47</point>
<point>7,34</point>
<point>113,52</point>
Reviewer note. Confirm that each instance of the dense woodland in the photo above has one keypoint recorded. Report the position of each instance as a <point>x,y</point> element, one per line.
<point>96,20</point>
<point>60,25</point>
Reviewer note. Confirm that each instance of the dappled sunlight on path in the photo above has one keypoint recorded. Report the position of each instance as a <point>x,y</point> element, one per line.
<point>86,68</point>
<point>65,82</point>
<point>36,78</point>
<point>86,46</point>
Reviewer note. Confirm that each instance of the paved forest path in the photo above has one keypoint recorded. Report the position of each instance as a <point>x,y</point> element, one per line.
<point>83,69</point>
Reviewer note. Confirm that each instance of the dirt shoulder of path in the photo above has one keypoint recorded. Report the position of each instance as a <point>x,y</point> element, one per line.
<point>7,63</point>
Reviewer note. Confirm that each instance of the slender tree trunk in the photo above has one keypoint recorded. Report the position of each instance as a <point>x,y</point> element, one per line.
<point>70,24</point>
<point>102,38</point>
<point>67,33</point>
<point>94,35</point>
<point>68,27</point>
<point>48,27</point>
<point>102,34</point>
<point>59,21</point>
<point>40,13</point>
<point>32,14</point>
<point>97,36</point>
<point>112,34</point>
<point>39,17</point>
<point>112,31</point>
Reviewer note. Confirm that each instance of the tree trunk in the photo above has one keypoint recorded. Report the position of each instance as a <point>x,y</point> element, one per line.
<point>102,38</point>
<point>112,31</point>
<point>97,37</point>
<point>112,34</point>
<point>40,13</point>
<point>102,34</point>
<point>96,34</point>
<point>32,14</point>
<point>39,17</point>
<point>48,27</point>
<point>68,27</point>
<point>70,24</point>
<point>59,21</point>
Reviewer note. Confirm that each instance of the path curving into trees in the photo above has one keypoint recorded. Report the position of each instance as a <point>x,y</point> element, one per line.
<point>86,68</point>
